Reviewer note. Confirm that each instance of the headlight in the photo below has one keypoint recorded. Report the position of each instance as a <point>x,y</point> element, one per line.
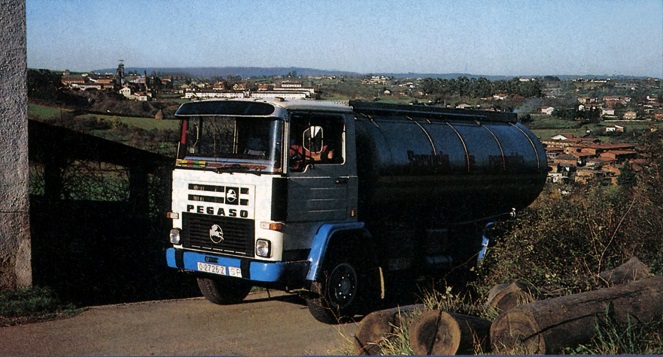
<point>175,235</point>
<point>263,248</point>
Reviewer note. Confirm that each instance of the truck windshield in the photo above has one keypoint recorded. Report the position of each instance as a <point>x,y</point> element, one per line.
<point>232,144</point>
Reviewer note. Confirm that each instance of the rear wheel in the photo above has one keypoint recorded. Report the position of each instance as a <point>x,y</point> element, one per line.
<point>223,291</point>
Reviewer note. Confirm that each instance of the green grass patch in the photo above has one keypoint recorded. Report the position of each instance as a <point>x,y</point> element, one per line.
<point>548,122</point>
<point>44,112</point>
<point>32,305</point>
<point>138,122</point>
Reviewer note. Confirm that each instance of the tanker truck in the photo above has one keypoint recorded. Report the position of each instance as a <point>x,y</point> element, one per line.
<point>342,204</point>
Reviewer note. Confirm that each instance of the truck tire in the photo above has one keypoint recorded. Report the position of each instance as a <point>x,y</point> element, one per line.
<point>346,288</point>
<point>223,291</point>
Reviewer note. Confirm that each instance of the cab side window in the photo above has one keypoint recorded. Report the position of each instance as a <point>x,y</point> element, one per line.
<point>316,139</point>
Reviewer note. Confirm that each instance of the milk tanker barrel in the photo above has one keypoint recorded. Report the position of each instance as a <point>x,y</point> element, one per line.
<point>443,165</point>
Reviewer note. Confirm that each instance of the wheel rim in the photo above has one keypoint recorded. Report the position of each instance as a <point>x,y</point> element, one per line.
<point>342,285</point>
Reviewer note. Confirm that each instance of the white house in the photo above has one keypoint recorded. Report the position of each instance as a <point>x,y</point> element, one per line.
<point>607,112</point>
<point>126,92</point>
<point>614,129</point>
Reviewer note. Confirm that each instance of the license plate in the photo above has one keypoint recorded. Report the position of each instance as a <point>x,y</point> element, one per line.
<point>211,268</point>
<point>234,271</point>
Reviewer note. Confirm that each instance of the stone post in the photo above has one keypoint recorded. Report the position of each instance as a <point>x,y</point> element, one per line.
<point>15,251</point>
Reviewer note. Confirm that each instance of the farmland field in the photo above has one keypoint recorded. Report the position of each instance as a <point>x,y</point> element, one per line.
<point>138,122</point>
<point>44,112</point>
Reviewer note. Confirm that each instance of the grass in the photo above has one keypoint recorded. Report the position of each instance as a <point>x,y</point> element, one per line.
<point>548,122</point>
<point>138,122</point>
<point>32,305</point>
<point>44,112</point>
<point>628,338</point>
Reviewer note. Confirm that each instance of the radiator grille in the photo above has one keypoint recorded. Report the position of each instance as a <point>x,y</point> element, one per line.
<point>237,234</point>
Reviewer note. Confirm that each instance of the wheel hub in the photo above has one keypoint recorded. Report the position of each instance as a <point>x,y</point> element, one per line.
<point>343,282</point>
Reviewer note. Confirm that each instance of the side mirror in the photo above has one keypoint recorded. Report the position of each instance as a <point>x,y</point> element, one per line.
<point>313,139</point>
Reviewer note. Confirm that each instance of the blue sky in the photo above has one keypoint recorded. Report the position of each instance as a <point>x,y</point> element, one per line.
<point>483,37</point>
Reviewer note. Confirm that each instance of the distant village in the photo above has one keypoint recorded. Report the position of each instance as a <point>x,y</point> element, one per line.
<point>571,158</point>
<point>138,87</point>
<point>585,160</point>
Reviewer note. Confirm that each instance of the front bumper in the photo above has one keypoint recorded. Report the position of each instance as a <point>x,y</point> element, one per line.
<point>291,274</point>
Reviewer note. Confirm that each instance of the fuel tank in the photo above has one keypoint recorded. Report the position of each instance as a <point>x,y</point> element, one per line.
<point>444,166</point>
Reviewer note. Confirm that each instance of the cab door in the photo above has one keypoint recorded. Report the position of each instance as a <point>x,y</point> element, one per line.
<point>318,169</point>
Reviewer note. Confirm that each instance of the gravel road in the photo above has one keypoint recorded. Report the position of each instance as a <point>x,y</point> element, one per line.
<point>279,325</point>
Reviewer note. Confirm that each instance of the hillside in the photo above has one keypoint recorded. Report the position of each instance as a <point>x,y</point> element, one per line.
<point>259,72</point>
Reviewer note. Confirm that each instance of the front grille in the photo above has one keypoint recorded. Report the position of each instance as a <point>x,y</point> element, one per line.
<point>237,234</point>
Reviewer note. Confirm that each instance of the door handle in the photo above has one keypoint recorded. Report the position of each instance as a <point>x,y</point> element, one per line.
<point>343,180</point>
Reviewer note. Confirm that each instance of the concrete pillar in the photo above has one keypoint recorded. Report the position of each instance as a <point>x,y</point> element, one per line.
<point>15,251</point>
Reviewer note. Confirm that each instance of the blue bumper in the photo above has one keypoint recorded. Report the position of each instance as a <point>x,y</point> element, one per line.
<point>256,271</point>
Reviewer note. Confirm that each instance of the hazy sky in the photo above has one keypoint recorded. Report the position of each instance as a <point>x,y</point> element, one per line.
<point>484,37</point>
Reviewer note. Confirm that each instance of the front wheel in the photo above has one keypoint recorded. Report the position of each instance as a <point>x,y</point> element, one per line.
<point>223,291</point>
<point>342,292</point>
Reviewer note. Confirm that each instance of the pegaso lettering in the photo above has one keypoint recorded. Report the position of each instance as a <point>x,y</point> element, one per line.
<point>220,211</point>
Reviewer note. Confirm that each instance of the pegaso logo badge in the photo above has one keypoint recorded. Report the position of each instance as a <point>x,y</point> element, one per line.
<point>231,195</point>
<point>216,234</point>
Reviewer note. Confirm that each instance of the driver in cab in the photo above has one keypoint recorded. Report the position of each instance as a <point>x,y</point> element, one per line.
<point>311,149</point>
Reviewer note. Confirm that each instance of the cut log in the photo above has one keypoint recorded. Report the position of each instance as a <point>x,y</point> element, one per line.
<point>632,270</point>
<point>548,326</point>
<point>379,326</point>
<point>438,332</point>
<point>508,296</point>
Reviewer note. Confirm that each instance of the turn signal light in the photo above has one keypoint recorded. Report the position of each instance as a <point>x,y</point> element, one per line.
<point>272,226</point>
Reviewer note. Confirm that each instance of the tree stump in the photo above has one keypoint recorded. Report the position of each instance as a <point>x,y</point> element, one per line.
<point>437,332</point>
<point>508,296</point>
<point>548,326</point>
<point>632,270</point>
<point>378,326</point>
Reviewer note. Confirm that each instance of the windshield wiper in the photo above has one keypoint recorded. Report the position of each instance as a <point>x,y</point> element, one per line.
<point>237,168</point>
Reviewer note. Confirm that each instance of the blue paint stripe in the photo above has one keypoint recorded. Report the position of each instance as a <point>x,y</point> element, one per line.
<point>265,272</point>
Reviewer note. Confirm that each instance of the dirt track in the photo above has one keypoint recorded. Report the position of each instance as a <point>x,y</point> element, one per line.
<point>280,326</point>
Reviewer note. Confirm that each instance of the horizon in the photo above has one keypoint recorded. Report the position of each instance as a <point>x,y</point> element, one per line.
<point>226,71</point>
<point>511,38</point>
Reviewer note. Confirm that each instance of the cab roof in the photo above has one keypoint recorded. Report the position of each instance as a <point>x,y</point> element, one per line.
<point>254,107</point>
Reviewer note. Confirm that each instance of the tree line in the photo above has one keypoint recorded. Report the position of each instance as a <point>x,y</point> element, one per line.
<point>481,87</point>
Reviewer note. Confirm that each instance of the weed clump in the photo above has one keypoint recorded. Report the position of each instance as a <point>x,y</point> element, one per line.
<point>32,305</point>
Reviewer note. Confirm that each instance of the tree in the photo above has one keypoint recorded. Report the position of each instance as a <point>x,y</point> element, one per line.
<point>565,113</point>
<point>43,84</point>
<point>627,176</point>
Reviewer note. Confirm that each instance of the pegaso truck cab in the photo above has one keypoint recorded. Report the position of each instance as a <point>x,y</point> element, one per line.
<point>340,203</point>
